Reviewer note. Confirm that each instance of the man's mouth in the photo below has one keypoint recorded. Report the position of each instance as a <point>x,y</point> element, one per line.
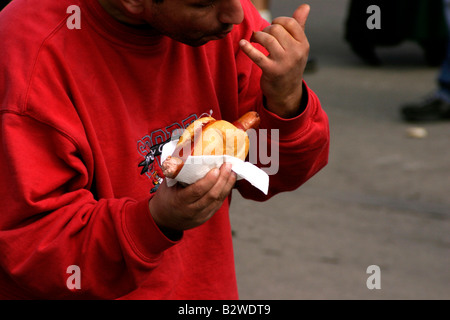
<point>223,34</point>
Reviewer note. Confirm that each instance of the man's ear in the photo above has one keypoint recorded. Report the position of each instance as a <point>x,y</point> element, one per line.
<point>134,7</point>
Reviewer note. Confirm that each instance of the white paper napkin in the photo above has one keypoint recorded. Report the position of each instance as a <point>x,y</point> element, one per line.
<point>196,167</point>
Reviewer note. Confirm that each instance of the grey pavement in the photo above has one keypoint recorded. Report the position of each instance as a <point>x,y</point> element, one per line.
<point>382,200</point>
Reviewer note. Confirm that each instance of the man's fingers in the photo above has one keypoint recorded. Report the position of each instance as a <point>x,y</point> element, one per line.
<point>215,186</point>
<point>198,190</point>
<point>212,200</point>
<point>254,54</point>
<point>272,38</point>
<point>291,28</point>
<point>275,38</point>
<point>223,186</point>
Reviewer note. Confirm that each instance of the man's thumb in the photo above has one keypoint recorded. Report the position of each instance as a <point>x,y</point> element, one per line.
<point>301,14</point>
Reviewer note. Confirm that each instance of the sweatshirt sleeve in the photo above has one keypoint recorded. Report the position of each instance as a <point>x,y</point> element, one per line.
<point>291,151</point>
<point>50,219</point>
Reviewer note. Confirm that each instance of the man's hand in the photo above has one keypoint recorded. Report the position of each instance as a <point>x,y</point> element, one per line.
<point>181,208</point>
<point>288,47</point>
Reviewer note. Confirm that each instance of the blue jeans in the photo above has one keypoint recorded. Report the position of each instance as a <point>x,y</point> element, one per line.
<point>444,75</point>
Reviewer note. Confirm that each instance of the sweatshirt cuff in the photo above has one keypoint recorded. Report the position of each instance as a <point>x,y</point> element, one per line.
<point>289,129</point>
<point>142,233</point>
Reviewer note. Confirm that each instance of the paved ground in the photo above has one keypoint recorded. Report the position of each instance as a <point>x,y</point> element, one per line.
<point>382,200</point>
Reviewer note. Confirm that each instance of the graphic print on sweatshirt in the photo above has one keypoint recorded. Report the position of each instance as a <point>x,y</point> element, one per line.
<point>150,147</point>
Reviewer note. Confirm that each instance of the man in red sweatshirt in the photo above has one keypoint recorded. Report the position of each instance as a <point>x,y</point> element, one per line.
<point>89,89</point>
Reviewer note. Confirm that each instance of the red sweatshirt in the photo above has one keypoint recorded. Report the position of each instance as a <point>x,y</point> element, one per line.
<point>80,109</point>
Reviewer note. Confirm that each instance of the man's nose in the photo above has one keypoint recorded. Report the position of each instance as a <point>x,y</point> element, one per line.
<point>231,12</point>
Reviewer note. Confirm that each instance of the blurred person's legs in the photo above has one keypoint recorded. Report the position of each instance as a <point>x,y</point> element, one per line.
<point>4,4</point>
<point>431,31</point>
<point>437,106</point>
<point>357,35</point>
<point>391,24</point>
<point>444,76</point>
<point>263,7</point>
<point>421,21</point>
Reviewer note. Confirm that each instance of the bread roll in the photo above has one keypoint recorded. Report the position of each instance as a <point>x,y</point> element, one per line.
<point>207,136</point>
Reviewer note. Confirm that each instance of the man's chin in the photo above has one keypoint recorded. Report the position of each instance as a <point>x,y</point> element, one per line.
<point>197,42</point>
<point>200,41</point>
